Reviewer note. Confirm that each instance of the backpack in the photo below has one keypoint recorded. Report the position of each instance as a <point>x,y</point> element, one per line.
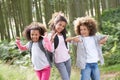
<point>56,41</point>
<point>48,54</point>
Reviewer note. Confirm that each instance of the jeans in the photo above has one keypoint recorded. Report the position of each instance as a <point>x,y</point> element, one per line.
<point>91,72</point>
<point>65,69</point>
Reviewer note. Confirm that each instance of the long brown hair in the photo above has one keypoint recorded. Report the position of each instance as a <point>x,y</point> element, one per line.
<point>56,17</point>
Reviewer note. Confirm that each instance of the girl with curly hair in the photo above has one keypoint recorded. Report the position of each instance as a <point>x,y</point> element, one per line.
<point>89,51</point>
<point>35,32</point>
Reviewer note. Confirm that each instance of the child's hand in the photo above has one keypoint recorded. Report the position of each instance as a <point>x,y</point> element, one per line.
<point>19,45</point>
<point>17,38</point>
<point>75,39</point>
<point>53,36</point>
<point>103,41</point>
<point>45,34</point>
<point>45,37</point>
<point>69,39</point>
<point>47,43</point>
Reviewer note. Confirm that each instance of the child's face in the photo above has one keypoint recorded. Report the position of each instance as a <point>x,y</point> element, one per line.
<point>60,26</point>
<point>34,34</point>
<point>84,31</point>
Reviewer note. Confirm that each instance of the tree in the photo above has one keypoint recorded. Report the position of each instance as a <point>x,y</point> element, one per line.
<point>98,14</point>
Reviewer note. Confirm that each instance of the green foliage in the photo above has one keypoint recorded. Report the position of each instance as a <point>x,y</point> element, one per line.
<point>111,15</point>
<point>7,52</point>
<point>110,69</point>
<point>10,54</point>
<point>1,78</point>
<point>111,27</point>
<point>111,22</point>
<point>112,59</point>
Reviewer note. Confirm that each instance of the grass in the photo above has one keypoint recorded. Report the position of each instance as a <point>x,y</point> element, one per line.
<point>8,72</point>
<point>15,73</point>
<point>110,72</point>
<point>109,69</point>
<point>75,74</point>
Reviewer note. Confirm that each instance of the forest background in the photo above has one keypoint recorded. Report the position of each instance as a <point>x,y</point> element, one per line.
<point>15,15</point>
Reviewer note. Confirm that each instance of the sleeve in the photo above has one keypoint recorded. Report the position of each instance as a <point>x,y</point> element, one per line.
<point>20,46</point>
<point>100,37</point>
<point>47,44</point>
<point>75,43</point>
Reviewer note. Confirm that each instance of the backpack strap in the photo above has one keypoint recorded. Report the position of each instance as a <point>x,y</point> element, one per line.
<point>30,48</point>
<point>64,36</point>
<point>56,41</point>
<point>40,44</point>
<point>47,53</point>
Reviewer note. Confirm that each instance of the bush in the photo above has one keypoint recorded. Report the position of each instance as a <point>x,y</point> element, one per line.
<point>111,26</point>
<point>112,59</point>
<point>10,54</point>
<point>111,15</point>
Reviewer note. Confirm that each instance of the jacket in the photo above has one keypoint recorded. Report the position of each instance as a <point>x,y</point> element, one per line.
<point>82,54</point>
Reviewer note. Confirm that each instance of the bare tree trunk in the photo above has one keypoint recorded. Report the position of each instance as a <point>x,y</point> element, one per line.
<point>2,24</point>
<point>103,4</point>
<point>28,11</point>
<point>72,15</point>
<point>47,10</point>
<point>7,32</point>
<point>38,15</point>
<point>91,7</point>
<point>15,16</point>
<point>98,14</point>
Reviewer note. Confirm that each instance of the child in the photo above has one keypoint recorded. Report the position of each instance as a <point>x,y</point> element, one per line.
<point>35,33</point>
<point>61,53</point>
<point>88,47</point>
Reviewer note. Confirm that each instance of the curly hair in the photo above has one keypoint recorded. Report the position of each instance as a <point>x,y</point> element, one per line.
<point>87,21</point>
<point>34,26</point>
<point>56,17</point>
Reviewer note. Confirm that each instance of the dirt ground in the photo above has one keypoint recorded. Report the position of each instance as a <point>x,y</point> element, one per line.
<point>109,76</point>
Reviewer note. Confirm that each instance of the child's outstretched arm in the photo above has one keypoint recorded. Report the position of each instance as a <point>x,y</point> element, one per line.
<point>19,45</point>
<point>103,40</point>
<point>74,39</point>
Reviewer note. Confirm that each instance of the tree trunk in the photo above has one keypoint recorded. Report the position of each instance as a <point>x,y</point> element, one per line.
<point>91,7</point>
<point>71,15</point>
<point>97,14</point>
<point>47,11</point>
<point>2,24</point>
<point>38,15</point>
